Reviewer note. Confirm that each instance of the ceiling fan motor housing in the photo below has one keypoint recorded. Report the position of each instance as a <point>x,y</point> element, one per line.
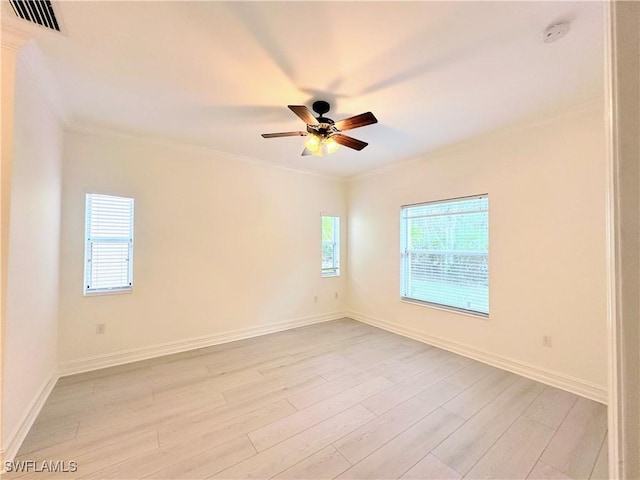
<point>323,129</point>
<point>321,107</point>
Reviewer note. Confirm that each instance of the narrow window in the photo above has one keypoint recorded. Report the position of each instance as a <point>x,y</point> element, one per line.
<point>445,253</point>
<point>108,266</point>
<point>330,246</point>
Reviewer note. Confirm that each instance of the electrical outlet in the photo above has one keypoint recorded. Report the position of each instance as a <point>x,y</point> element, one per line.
<point>100,328</point>
<point>546,340</point>
<point>315,299</point>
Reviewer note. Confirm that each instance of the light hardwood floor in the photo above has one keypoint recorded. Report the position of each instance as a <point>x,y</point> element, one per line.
<point>335,400</point>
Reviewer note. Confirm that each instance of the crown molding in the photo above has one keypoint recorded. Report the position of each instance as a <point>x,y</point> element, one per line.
<point>590,106</point>
<point>169,143</point>
<point>13,38</point>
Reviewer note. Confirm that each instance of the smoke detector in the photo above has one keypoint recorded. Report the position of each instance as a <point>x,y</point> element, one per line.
<point>555,32</point>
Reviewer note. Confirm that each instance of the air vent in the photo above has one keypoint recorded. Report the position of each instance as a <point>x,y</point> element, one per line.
<point>36,11</point>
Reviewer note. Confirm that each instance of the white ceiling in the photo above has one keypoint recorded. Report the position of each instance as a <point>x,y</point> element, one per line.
<point>218,74</point>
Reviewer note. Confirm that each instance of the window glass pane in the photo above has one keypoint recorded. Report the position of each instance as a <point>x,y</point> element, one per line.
<point>445,249</point>
<point>109,243</point>
<point>330,246</point>
<point>327,229</point>
<point>109,265</point>
<point>328,255</point>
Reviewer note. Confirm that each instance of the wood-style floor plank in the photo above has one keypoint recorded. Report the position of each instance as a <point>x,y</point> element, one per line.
<point>418,365</point>
<point>337,399</point>
<point>470,442</point>
<point>271,384</point>
<point>215,432</point>
<point>159,412</point>
<point>551,407</point>
<point>472,373</point>
<point>515,453</point>
<point>368,438</point>
<point>575,447</point>
<point>208,462</point>
<point>62,392</point>
<point>541,471</point>
<point>286,454</point>
<point>41,438</point>
<point>284,428</point>
<point>157,459</point>
<point>193,426</point>
<point>431,375</point>
<point>431,468</point>
<point>401,453</point>
<point>326,390</point>
<point>324,464</point>
<point>601,468</point>
<point>96,460</point>
<point>473,399</point>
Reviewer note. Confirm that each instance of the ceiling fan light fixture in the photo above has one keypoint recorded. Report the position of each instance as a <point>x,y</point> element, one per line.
<point>331,145</point>
<point>320,146</point>
<point>313,143</point>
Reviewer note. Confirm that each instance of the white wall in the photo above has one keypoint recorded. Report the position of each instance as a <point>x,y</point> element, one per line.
<point>546,186</point>
<point>30,336</point>
<point>220,245</point>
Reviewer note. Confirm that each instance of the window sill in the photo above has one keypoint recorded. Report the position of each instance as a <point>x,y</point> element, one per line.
<point>466,313</point>
<point>330,275</point>
<point>107,292</point>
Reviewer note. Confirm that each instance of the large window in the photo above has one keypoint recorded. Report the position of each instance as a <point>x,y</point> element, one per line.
<point>330,246</point>
<point>108,266</point>
<point>445,253</point>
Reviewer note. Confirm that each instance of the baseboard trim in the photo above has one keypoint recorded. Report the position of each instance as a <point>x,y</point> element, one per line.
<point>555,379</point>
<point>15,439</point>
<point>127,356</point>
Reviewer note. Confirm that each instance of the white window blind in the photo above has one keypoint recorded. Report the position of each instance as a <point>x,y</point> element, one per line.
<point>330,246</point>
<point>445,253</point>
<point>109,244</point>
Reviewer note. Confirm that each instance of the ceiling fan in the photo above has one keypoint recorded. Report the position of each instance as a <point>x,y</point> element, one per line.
<point>325,135</point>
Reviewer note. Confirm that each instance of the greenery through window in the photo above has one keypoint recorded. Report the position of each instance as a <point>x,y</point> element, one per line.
<point>445,253</point>
<point>330,246</point>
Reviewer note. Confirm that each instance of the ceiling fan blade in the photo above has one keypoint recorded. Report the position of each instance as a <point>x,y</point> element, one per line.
<point>349,141</point>
<point>306,151</point>
<point>304,113</point>
<point>357,121</point>
<point>284,134</point>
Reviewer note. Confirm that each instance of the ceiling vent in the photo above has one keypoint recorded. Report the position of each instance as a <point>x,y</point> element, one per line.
<point>36,11</point>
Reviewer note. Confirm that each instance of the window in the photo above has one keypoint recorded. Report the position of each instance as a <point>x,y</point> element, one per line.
<point>108,266</point>
<point>445,253</point>
<point>330,246</point>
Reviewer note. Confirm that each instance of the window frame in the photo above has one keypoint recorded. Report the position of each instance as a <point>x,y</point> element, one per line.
<point>404,252</point>
<point>89,240</point>
<point>333,271</point>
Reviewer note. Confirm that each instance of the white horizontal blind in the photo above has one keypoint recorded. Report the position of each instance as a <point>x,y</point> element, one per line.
<point>445,253</point>
<point>109,243</point>
<point>330,246</point>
